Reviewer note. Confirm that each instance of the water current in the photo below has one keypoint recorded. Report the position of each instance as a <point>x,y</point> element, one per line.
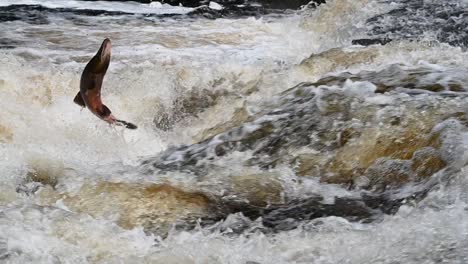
<point>334,132</point>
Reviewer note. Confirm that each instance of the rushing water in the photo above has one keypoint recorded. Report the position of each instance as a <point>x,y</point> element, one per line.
<point>363,162</point>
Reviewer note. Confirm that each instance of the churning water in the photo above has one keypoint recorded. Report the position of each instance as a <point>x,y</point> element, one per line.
<point>272,138</point>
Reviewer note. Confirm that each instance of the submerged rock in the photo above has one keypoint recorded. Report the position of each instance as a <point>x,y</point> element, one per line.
<point>229,11</point>
<point>340,131</point>
<point>392,78</point>
<point>39,15</point>
<point>275,4</point>
<point>333,59</point>
<point>415,20</point>
<point>239,117</point>
<point>154,207</point>
<point>349,128</point>
<point>389,173</point>
<point>289,216</point>
<point>426,162</point>
<point>308,164</point>
<point>396,142</point>
<point>257,189</point>
<point>191,104</point>
<point>368,42</point>
<point>371,132</point>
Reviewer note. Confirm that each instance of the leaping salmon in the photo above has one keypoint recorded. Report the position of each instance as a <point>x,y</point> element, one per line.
<point>90,86</point>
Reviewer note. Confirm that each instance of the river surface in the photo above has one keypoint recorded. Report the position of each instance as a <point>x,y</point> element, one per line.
<point>263,136</point>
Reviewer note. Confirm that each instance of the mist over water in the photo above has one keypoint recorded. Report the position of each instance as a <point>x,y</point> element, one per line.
<point>261,139</point>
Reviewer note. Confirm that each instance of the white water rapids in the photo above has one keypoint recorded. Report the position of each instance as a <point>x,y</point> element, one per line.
<point>155,62</point>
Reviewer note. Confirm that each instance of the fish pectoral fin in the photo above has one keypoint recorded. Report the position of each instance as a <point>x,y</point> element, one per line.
<point>79,100</point>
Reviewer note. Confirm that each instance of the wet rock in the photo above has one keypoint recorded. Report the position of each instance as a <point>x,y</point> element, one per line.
<point>394,77</point>
<point>39,15</point>
<point>326,120</point>
<point>228,11</point>
<point>456,87</point>
<point>448,136</point>
<point>290,216</point>
<point>330,101</point>
<point>462,117</point>
<point>239,117</point>
<point>260,190</point>
<point>154,207</point>
<point>275,4</point>
<point>235,223</point>
<point>348,134</point>
<point>368,42</point>
<point>389,173</point>
<point>164,121</point>
<point>357,156</point>
<point>42,177</point>
<point>332,59</point>
<point>426,162</point>
<point>342,130</point>
<point>191,104</point>
<point>443,20</point>
<point>308,164</point>
<point>294,4</point>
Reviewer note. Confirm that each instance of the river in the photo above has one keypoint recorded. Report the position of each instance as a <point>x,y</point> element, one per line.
<point>328,133</point>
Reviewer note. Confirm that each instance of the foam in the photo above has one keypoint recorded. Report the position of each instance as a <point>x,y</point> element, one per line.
<point>156,62</point>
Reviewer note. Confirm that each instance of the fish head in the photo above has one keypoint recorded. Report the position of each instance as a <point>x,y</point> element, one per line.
<point>105,51</point>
